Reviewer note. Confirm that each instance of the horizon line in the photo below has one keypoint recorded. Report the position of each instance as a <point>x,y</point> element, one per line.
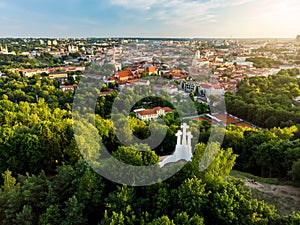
<point>138,37</point>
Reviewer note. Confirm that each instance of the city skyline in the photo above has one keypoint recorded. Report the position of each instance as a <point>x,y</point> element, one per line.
<point>152,18</point>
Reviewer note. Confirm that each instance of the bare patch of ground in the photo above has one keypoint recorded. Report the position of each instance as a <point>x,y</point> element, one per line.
<point>285,198</point>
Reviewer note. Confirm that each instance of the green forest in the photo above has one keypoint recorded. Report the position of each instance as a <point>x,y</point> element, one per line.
<point>267,101</point>
<point>46,181</point>
<point>262,62</point>
<point>45,59</point>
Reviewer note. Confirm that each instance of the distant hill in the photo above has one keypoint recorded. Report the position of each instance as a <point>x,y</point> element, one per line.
<point>298,38</point>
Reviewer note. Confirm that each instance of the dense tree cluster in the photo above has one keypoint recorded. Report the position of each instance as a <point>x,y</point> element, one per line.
<point>267,102</point>
<point>22,61</point>
<point>46,181</point>
<point>262,62</point>
<point>77,195</point>
<point>266,153</point>
<point>17,89</point>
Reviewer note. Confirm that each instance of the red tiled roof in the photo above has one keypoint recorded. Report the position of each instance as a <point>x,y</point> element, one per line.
<point>225,118</point>
<point>112,78</point>
<point>70,86</point>
<point>124,73</point>
<point>151,69</point>
<point>153,111</point>
<point>156,108</point>
<point>147,112</point>
<point>243,124</point>
<point>104,93</point>
<point>205,85</point>
<point>167,109</point>
<point>217,86</point>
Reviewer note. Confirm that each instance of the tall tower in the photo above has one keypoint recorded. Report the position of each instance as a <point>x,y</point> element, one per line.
<point>196,60</point>
<point>197,55</point>
<point>114,56</point>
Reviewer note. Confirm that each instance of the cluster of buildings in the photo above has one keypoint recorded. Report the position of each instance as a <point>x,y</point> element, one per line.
<point>204,67</point>
<point>133,73</point>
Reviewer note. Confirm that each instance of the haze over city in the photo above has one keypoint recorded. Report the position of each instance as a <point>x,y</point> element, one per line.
<point>152,18</point>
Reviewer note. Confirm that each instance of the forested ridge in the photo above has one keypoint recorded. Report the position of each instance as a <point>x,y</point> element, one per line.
<point>46,181</point>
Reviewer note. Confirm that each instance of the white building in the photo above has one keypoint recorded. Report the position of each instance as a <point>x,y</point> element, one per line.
<point>72,49</point>
<point>197,55</point>
<point>152,114</point>
<point>171,89</point>
<point>209,89</point>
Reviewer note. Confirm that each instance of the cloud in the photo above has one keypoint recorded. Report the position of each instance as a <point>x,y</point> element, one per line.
<point>185,18</point>
<point>135,4</point>
<point>179,12</point>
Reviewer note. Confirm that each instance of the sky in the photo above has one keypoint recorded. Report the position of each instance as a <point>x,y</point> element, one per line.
<point>150,18</point>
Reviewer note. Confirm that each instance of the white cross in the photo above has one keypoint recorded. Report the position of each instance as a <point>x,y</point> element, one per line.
<point>189,134</point>
<point>184,126</point>
<point>178,134</point>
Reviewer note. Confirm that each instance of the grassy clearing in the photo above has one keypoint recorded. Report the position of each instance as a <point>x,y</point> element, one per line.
<point>244,176</point>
